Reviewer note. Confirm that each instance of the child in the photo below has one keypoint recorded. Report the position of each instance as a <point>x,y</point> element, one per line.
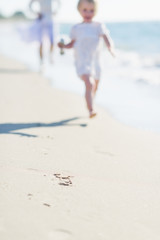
<point>44,24</point>
<point>85,38</point>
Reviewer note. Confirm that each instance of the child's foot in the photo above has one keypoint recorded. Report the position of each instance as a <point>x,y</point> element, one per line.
<point>92,114</point>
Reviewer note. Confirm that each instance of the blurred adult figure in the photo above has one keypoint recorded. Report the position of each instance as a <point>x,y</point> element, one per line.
<point>44,23</point>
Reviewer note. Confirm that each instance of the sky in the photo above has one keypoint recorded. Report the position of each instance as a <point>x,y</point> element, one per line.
<point>109,10</point>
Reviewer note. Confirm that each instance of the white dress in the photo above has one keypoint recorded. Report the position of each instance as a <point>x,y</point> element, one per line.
<point>43,25</point>
<point>87,47</point>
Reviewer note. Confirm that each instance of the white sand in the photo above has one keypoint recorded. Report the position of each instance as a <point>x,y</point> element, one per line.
<point>113,192</point>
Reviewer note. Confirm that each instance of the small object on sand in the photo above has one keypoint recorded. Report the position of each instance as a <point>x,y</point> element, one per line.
<point>66,181</point>
<point>63,180</point>
<point>29,194</point>
<point>65,177</point>
<point>57,175</point>
<point>46,204</point>
<point>64,184</point>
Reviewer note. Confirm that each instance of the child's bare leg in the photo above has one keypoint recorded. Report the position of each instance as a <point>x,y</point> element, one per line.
<point>89,93</point>
<point>95,86</point>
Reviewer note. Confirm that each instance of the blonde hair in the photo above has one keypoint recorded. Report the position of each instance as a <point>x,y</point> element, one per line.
<point>89,1</point>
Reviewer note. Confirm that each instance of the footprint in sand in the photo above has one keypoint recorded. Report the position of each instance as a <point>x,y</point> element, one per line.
<point>64,180</point>
<point>59,235</point>
<point>30,195</point>
<point>46,204</point>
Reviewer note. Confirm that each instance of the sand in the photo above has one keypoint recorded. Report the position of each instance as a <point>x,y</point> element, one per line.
<point>65,176</point>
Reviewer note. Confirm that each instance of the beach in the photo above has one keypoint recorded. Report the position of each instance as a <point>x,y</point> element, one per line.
<point>65,176</point>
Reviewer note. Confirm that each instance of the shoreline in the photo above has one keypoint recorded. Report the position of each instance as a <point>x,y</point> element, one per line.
<point>130,94</point>
<point>65,176</point>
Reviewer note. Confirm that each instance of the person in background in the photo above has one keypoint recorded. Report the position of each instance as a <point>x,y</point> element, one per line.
<point>85,39</point>
<point>44,23</point>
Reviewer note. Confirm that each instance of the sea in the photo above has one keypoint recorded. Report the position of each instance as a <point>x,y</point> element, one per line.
<point>130,83</point>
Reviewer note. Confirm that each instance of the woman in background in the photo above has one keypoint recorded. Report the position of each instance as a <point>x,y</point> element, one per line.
<point>44,24</point>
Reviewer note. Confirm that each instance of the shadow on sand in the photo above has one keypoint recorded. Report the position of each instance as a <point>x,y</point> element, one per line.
<point>10,128</point>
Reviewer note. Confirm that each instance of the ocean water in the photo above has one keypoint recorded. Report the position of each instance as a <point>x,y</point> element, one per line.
<point>130,83</point>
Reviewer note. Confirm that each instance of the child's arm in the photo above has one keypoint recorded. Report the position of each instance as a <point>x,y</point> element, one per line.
<point>69,45</point>
<point>109,44</point>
